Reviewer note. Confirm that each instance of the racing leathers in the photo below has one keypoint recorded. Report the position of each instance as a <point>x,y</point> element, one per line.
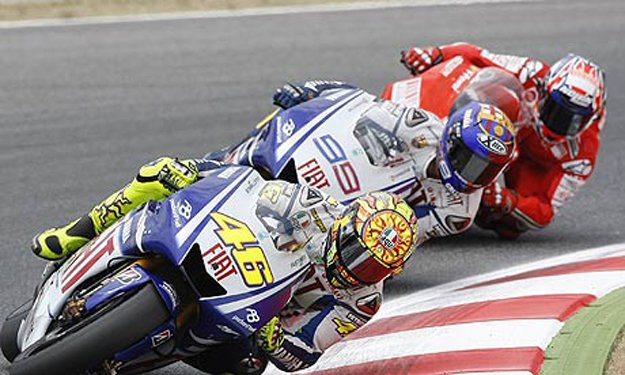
<point>403,140</point>
<point>298,218</point>
<point>545,175</point>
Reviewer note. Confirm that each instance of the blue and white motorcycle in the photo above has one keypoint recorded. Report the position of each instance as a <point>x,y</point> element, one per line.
<point>347,142</point>
<point>341,143</point>
<point>170,280</point>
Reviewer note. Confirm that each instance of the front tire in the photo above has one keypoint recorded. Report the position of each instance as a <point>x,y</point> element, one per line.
<point>96,340</point>
<point>10,328</point>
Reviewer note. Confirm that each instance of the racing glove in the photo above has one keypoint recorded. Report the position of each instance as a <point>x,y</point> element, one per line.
<point>418,60</point>
<point>291,95</point>
<point>498,199</point>
<point>270,337</point>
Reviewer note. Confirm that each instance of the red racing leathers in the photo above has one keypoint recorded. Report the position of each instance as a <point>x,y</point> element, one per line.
<point>544,175</point>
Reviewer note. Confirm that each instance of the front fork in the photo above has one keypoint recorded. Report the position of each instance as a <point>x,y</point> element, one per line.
<point>173,291</point>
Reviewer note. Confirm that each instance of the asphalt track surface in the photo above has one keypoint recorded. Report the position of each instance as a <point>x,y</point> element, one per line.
<point>81,107</point>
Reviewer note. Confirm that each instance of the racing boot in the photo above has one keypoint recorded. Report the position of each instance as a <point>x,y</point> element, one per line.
<point>55,243</point>
<point>156,181</point>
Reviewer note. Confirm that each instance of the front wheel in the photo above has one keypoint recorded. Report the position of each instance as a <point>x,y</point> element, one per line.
<point>90,342</point>
<point>10,328</point>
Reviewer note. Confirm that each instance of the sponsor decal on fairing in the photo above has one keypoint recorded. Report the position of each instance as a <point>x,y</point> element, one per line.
<point>492,144</point>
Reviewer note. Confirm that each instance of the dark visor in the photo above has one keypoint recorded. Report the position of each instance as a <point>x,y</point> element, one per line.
<point>470,166</point>
<point>560,120</point>
<point>356,259</point>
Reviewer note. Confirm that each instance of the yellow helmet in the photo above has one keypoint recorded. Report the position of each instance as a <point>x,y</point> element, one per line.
<point>373,238</point>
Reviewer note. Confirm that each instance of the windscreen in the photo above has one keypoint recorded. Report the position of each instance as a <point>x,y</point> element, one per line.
<point>382,147</point>
<point>497,87</point>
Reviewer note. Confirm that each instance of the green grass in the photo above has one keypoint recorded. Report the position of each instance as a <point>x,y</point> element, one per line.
<point>584,344</point>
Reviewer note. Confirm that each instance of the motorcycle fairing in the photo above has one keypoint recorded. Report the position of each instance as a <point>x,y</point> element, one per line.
<point>207,228</point>
<point>175,223</point>
<point>434,90</point>
<point>238,312</point>
<point>289,128</point>
<point>326,153</point>
<point>90,260</point>
<point>131,278</point>
<point>157,228</point>
<point>454,83</point>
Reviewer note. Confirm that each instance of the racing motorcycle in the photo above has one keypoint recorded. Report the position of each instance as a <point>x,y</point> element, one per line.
<point>339,144</point>
<point>335,143</point>
<point>170,280</point>
<point>347,142</point>
<point>452,84</point>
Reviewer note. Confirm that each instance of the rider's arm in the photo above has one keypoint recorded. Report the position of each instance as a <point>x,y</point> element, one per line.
<point>325,323</point>
<point>529,71</point>
<point>452,214</point>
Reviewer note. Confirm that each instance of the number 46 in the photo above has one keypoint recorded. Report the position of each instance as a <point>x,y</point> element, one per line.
<point>249,257</point>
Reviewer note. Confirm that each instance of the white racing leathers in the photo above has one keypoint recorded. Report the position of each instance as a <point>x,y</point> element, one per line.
<point>298,218</point>
<point>441,211</point>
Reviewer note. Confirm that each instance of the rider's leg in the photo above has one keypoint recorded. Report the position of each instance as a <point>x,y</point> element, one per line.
<point>505,225</point>
<point>155,181</point>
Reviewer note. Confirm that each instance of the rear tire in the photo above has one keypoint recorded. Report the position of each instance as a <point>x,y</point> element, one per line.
<point>99,339</point>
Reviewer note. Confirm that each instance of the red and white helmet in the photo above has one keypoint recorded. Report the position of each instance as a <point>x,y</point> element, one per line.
<point>575,96</point>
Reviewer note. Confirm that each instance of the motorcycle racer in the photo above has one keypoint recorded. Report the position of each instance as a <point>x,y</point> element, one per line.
<point>364,243</point>
<point>558,144</point>
<point>351,249</point>
<point>450,163</point>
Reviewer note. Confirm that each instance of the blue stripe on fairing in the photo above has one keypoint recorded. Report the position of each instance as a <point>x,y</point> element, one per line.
<point>401,186</point>
<point>321,122</point>
<point>202,224</point>
<point>187,244</point>
<point>229,299</point>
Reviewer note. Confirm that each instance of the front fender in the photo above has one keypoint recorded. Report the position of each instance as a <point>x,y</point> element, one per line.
<point>133,277</point>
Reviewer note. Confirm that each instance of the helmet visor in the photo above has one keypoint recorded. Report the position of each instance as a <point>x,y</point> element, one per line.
<point>353,257</point>
<point>561,120</point>
<point>471,167</point>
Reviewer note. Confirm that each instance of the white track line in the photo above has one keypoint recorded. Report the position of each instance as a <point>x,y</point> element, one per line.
<point>489,334</point>
<point>597,284</point>
<point>250,12</point>
<point>593,253</point>
<point>521,333</point>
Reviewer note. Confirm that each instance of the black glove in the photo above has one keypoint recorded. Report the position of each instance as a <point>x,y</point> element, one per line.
<point>291,95</point>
